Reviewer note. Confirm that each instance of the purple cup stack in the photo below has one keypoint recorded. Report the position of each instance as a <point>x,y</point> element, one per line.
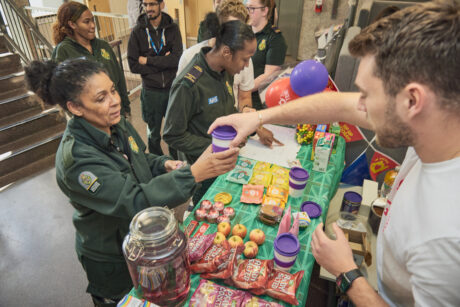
<point>286,248</point>
<point>298,178</point>
<point>221,138</point>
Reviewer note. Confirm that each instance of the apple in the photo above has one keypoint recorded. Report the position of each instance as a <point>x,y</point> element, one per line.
<point>219,238</point>
<point>235,241</point>
<point>257,235</point>
<point>250,249</point>
<point>239,230</point>
<point>224,228</point>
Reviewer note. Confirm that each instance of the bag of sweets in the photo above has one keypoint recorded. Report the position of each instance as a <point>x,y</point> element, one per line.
<point>252,273</point>
<point>254,301</point>
<point>198,245</point>
<point>214,257</point>
<point>209,294</point>
<point>225,269</point>
<point>282,285</point>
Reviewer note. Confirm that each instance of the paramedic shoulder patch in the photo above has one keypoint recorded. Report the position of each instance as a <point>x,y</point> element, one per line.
<point>88,181</point>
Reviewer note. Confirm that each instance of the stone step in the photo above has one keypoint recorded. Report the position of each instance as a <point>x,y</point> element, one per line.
<point>3,44</point>
<point>17,135</point>
<point>12,85</point>
<point>10,63</point>
<point>18,104</point>
<point>28,161</point>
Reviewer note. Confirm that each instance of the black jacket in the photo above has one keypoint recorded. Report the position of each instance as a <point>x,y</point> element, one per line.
<point>160,70</point>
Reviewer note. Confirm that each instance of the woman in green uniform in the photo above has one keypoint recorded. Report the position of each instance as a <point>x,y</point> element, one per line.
<point>101,165</point>
<point>74,34</point>
<point>271,45</point>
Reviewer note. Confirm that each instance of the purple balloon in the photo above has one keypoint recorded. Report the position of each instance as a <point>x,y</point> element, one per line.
<point>309,77</point>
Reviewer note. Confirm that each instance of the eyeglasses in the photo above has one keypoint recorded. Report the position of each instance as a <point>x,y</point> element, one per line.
<point>252,9</point>
<point>147,4</point>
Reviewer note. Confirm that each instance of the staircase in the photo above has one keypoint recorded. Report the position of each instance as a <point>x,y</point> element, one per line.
<point>29,131</point>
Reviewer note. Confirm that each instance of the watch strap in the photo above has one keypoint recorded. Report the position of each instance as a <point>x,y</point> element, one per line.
<point>345,280</point>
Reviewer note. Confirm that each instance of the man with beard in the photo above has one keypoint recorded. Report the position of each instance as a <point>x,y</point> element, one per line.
<point>409,95</point>
<point>154,50</point>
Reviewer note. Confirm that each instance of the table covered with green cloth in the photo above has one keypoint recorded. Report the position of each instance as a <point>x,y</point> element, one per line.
<point>320,188</point>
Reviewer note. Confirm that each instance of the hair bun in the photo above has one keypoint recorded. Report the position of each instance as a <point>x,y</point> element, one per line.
<point>38,76</point>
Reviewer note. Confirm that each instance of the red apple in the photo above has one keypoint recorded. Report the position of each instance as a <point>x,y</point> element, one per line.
<point>239,230</point>
<point>250,249</point>
<point>235,241</point>
<point>224,228</point>
<point>219,238</point>
<point>257,235</point>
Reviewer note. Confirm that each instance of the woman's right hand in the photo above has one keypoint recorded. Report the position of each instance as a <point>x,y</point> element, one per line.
<point>210,165</point>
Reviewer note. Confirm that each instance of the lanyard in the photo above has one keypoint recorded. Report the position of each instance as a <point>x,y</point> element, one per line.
<point>153,44</point>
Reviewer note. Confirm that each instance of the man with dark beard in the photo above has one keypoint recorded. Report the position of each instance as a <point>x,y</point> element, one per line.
<point>154,50</point>
<point>410,96</point>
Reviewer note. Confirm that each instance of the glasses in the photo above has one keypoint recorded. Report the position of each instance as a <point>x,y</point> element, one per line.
<point>252,9</point>
<point>147,4</point>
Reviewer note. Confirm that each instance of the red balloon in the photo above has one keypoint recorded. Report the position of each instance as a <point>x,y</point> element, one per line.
<point>279,92</point>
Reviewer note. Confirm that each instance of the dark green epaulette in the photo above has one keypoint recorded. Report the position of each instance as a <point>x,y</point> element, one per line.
<point>276,29</point>
<point>67,146</point>
<point>193,74</point>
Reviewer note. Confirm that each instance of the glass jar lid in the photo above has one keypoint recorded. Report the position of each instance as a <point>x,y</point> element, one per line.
<point>154,224</point>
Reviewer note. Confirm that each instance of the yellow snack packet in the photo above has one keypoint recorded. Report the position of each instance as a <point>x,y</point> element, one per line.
<point>279,171</point>
<point>273,201</point>
<point>261,178</point>
<point>262,167</point>
<point>280,182</point>
<point>277,192</point>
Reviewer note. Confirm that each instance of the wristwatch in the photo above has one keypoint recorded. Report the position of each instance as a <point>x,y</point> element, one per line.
<point>345,280</point>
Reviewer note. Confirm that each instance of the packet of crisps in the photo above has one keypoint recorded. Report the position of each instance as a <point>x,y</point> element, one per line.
<point>262,166</point>
<point>277,192</point>
<point>283,286</point>
<point>239,175</point>
<point>261,178</point>
<point>252,194</point>
<point>198,245</point>
<point>254,301</point>
<point>225,269</point>
<point>251,273</point>
<point>246,163</point>
<point>213,258</point>
<point>281,182</point>
<point>280,171</point>
<point>273,201</point>
<point>209,294</point>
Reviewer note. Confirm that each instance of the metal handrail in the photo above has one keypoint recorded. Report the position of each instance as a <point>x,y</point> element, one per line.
<point>30,25</point>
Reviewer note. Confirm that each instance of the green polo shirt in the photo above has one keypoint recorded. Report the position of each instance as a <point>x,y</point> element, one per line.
<point>271,50</point>
<point>198,96</point>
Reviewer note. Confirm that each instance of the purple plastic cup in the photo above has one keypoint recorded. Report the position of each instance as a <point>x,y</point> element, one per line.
<point>297,181</point>
<point>221,138</point>
<point>286,248</point>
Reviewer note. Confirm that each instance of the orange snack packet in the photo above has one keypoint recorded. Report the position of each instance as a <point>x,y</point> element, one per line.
<point>277,192</point>
<point>252,194</point>
<point>273,201</point>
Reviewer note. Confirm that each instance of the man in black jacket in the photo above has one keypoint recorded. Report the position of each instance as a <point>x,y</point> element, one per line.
<point>154,50</point>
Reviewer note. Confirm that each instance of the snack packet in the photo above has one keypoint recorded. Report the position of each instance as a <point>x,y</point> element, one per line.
<point>225,269</point>
<point>213,258</point>
<point>214,295</point>
<point>262,166</point>
<point>239,175</point>
<point>283,286</point>
<point>281,182</point>
<point>252,273</point>
<point>261,178</point>
<point>270,214</point>
<point>279,171</point>
<point>198,245</point>
<point>246,163</point>
<point>277,192</point>
<point>273,201</point>
<point>252,194</point>
<point>254,301</point>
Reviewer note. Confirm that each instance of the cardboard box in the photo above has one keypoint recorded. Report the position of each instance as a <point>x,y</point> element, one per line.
<point>323,152</point>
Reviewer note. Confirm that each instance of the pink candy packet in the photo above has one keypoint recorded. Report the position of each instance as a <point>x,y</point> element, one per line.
<point>197,246</point>
<point>213,295</point>
<point>285,222</point>
<point>254,301</point>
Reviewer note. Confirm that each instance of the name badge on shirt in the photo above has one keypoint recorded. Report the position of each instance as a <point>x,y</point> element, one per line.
<point>213,100</point>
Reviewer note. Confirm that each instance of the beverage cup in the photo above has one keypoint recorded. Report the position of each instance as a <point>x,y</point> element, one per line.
<point>286,248</point>
<point>222,137</point>
<point>298,178</point>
